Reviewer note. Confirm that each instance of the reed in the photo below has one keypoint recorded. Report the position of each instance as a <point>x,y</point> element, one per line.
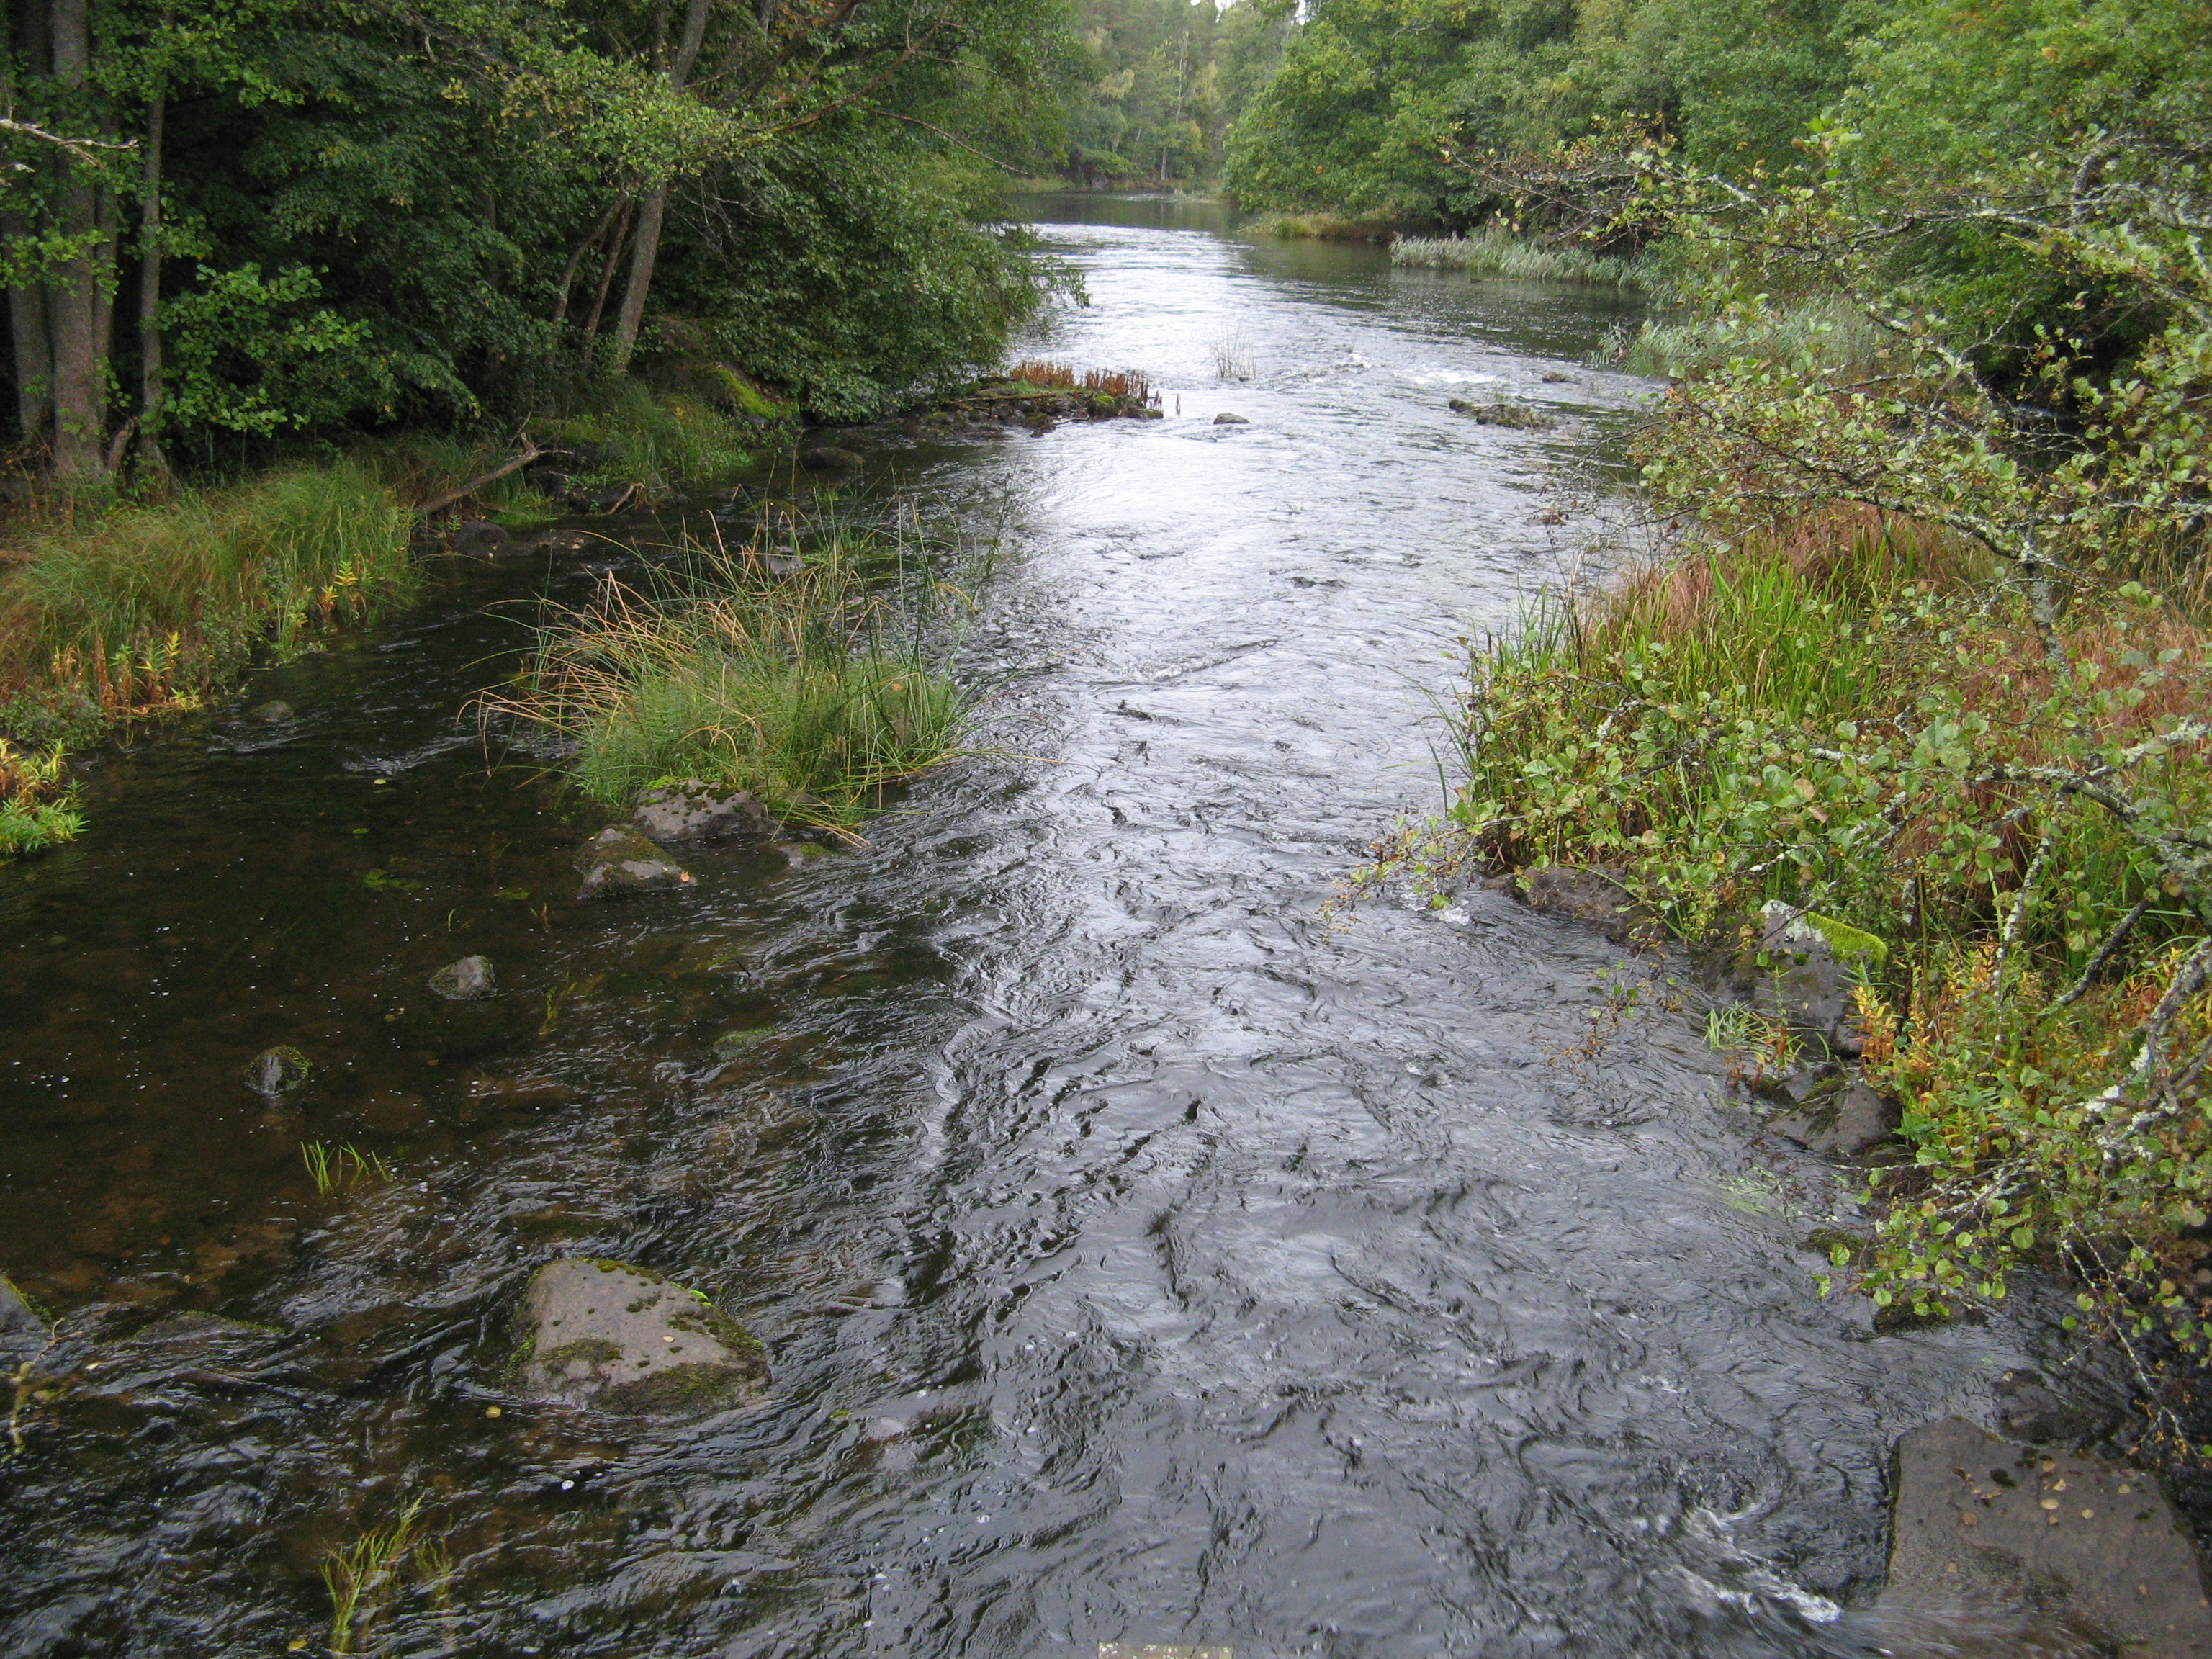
<point>1495,252</point>
<point>336,1169</point>
<point>359,1576</point>
<point>1825,334</point>
<point>1122,384</point>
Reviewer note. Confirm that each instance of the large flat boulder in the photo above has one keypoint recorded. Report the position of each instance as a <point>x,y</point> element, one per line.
<point>620,1338</point>
<point>2085,1550</point>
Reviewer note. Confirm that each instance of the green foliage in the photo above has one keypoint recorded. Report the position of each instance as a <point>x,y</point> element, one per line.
<point>37,802</point>
<point>816,691</point>
<point>661,443</point>
<point>1157,85</point>
<point>245,357</point>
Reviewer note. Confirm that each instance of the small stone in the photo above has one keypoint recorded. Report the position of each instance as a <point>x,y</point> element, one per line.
<point>693,810</point>
<point>828,458</point>
<point>274,712</point>
<point>1500,412</point>
<point>465,980</point>
<point>617,1337</point>
<point>1227,419</point>
<point>275,1072</point>
<point>1552,377</point>
<point>618,860</point>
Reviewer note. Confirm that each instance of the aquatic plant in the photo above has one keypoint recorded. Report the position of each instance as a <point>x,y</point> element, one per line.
<point>817,689</point>
<point>336,1169</point>
<point>359,1576</point>
<point>1322,227</point>
<point>1497,253</point>
<point>1232,356</point>
<point>1825,332</point>
<point>37,803</point>
<point>1124,386</point>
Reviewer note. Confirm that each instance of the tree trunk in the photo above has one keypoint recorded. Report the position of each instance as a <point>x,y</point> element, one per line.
<point>606,280</point>
<point>150,388</point>
<point>642,253</point>
<point>73,306</point>
<point>646,248</point>
<point>34,351</point>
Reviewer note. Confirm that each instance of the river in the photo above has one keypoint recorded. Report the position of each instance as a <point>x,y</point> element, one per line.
<point>1240,1273</point>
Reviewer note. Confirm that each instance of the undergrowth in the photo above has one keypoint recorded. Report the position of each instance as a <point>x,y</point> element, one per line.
<point>817,688</point>
<point>37,804</point>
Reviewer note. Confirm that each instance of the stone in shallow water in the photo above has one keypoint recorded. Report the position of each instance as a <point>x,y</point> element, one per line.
<point>624,1338</point>
<point>692,810</point>
<point>465,980</point>
<point>1155,1651</point>
<point>275,1072</point>
<point>619,860</point>
<point>22,1333</point>
<point>1987,1532</point>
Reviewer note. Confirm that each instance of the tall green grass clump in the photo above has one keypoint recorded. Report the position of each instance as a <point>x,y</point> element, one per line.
<point>1496,252</point>
<point>818,690</point>
<point>148,608</point>
<point>1823,334</point>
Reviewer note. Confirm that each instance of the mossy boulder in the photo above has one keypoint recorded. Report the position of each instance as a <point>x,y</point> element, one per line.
<point>618,862</point>
<point>275,1072</point>
<point>617,1337</point>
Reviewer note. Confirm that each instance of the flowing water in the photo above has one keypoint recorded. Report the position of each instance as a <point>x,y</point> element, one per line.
<point>1239,1274</point>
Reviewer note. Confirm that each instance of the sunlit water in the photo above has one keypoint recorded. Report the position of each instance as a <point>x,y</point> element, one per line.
<point>1242,1276</point>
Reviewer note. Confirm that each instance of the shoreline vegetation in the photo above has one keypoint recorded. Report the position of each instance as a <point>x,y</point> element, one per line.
<point>118,611</point>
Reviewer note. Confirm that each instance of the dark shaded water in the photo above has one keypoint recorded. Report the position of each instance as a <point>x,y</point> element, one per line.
<point>1242,1279</point>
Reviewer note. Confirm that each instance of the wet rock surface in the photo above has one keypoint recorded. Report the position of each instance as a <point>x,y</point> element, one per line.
<point>614,1337</point>
<point>1801,967</point>
<point>22,1333</point>
<point>2076,1549</point>
<point>469,980</point>
<point>2029,1409</point>
<point>1499,411</point>
<point>618,862</point>
<point>275,1072</point>
<point>693,810</point>
<point>1826,1109</point>
<point>1227,419</point>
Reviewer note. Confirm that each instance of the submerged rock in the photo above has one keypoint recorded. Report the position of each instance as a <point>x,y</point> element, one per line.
<point>2068,1553</point>
<point>274,712</point>
<point>1501,412</point>
<point>622,1338</point>
<point>481,538</point>
<point>2029,1409</point>
<point>22,1333</point>
<point>828,458</point>
<point>1595,896</point>
<point>693,810</point>
<point>1826,1111</point>
<point>465,980</point>
<point>619,860</point>
<point>275,1072</point>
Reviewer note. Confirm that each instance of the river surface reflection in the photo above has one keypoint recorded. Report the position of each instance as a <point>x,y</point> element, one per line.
<point>1237,1276</point>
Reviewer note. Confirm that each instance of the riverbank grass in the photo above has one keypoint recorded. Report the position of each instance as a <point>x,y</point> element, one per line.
<point>147,609</point>
<point>1852,717</point>
<point>1495,252</point>
<point>816,690</point>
